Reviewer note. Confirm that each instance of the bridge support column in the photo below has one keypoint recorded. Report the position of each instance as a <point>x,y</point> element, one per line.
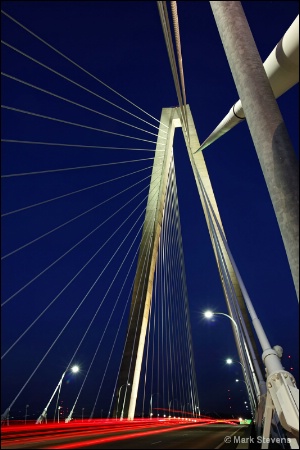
<point>270,137</point>
<point>129,375</point>
<point>199,167</point>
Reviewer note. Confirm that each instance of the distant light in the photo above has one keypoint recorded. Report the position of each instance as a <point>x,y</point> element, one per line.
<point>229,361</point>
<point>289,356</point>
<point>75,369</point>
<point>237,380</point>
<point>208,314</point>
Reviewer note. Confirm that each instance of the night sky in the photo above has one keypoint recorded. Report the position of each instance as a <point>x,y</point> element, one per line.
<point>122,44</point>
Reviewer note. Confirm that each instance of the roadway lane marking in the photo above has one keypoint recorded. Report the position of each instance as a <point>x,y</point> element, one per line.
<point>156,442</point>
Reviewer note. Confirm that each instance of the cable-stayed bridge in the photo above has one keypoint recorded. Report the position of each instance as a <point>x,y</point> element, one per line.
<point>72,256</point>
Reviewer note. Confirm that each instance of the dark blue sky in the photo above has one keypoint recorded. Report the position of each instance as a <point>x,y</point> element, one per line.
<point>122,44</point>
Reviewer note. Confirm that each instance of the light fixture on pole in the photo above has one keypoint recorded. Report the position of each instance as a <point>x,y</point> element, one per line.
<point>209,314</point>
<point>58,413</point>
<point>126,384</point>
<point>151,413</point>
<point>231,361</point>
<point>244,350</point>
<point>248,372</point>
<point>43,416</point>
<point>73,369</point>
<point>27,406</point>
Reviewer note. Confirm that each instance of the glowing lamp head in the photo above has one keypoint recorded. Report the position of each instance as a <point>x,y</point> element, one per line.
<point>75,369</point>
<point>208,314</point>
<point>229,361</point>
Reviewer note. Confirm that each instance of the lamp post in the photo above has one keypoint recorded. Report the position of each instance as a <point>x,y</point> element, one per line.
<point>209,314</point>
<point>185,411</point>
<point>73,369</point>
<point>82,414</point>
<point>254,374</point>
<point>121,417</point>
<point>43,416</point>
<point>251,398</point>
<point>151,414</point>
<point>173,399</point>
<point>249,373</point>
<point>230,361</point>
<point>26,413</point>
<point>58,413</point>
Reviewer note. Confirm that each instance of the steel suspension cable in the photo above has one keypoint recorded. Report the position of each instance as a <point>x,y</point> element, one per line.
<point>106,326</point>
<point>249,375</point>
<point>69,320</point>
<point>179,60</point>
<point>55,119</point>
<point>73,192</point>
<point>74,218</point>
<point>42,172</point>
<point>147,251</point>
<point>168,39</point>
<point>58,295</point>
<point>183,275</point>
<point>77,65</point>
<point>145,263</point>
<point>57,144</point>
<point>119,327</point>
<point>72,102</point>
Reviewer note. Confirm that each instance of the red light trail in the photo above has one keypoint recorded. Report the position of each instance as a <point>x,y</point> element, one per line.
<point>95,432</point>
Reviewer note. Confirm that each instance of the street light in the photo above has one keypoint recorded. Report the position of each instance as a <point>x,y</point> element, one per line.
<point>126,384</point>
<point>173,399</point>
<point>73,369</point>
<point>43,416</point>
<point>58,413</point>
<point>26,413</point>
<point>253,381</point>
<point>237,381</point>
<point>151,414</point>
<point>231,361</point>
<point>209,314</point>
<point>250,393</point>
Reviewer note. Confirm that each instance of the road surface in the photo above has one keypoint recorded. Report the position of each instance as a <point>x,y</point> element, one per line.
<point>124,435</point>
